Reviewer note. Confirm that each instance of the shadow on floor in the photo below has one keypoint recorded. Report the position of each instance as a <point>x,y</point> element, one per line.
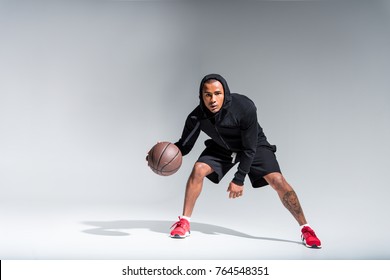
<point>117,228</point>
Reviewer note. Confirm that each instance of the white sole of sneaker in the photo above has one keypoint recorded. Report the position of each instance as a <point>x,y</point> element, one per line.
<point>308,246</point>
<point>187,234</point>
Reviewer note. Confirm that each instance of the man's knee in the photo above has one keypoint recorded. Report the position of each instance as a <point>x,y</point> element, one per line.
<point>277,181</point>
<point>200,170</point>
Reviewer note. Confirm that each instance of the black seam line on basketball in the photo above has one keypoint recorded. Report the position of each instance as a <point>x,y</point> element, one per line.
<point>170,171</point>
<point>162,168</point>
<point>161,154</point>
<point>155,170</point>
<point>175,169</point>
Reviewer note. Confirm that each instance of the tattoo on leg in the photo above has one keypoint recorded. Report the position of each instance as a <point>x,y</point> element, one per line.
<point>291,202</point>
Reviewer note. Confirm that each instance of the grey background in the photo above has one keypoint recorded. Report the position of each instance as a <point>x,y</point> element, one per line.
<point>87,87</point>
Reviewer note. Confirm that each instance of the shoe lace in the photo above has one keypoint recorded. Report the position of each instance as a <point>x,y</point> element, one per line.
<point>178,224</point>
<point>310,232</point>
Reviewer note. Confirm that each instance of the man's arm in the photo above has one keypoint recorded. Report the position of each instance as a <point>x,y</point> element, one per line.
<point>249,134</point>
<point>190,134</point>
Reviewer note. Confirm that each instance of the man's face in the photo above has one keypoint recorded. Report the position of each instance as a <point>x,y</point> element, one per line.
<point>213,96</point>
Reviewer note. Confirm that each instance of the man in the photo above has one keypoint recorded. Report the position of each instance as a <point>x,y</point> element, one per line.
<point>230,120</point>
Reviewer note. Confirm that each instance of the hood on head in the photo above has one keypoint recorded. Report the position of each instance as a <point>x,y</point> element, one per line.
<point>227,97</point>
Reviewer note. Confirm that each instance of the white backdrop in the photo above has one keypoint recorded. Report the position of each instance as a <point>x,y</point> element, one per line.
<point>87,87</point>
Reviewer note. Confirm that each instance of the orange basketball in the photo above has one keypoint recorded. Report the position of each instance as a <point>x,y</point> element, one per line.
<point>164,158</point>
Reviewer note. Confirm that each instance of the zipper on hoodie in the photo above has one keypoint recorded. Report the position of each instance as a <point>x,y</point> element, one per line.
<point>220,137</point>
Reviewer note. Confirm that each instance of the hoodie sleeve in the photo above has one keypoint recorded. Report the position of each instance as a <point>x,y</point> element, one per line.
<point>249,136</point>
<point>189,135</point>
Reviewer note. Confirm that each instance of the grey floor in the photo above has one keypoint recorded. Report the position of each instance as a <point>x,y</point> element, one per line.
<point>98,231</point>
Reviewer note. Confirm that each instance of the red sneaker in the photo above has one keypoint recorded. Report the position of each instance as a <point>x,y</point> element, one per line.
<point>309,238</point>
<point>181,229</point>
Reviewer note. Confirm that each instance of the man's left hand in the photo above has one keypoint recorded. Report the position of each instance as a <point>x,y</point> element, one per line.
<point>235,190</point>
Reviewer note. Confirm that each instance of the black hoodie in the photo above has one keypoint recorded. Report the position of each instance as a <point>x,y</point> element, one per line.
<point>233,128</point>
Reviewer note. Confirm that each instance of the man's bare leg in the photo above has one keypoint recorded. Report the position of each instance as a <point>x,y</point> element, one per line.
<point>287,195</point>
<point>290,200</point>
<point>181,229</point>
<point>194,186</point>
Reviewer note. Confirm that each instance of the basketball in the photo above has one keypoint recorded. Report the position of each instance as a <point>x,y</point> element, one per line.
<point>164,158</point>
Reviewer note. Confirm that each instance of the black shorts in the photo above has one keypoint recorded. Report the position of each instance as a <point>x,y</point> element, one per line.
<point>222,160</point>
